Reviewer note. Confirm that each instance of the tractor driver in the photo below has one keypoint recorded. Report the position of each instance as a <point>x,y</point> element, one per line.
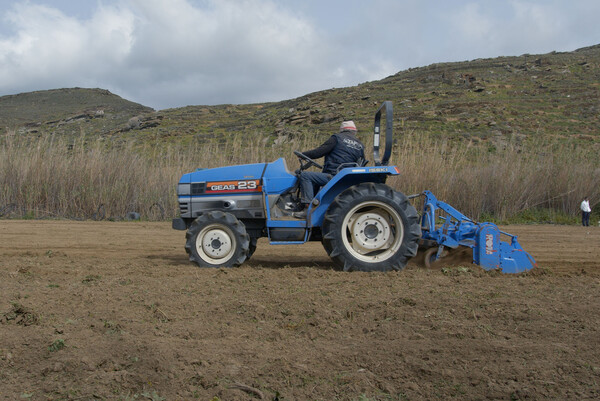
<point>340,148</point>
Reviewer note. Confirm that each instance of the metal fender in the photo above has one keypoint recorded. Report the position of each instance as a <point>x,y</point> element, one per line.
<point>343,180</point>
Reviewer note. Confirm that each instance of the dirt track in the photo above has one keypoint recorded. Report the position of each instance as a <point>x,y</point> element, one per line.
<point>115,311</point>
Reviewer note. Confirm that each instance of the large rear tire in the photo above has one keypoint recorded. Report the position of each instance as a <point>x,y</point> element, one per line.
<point>252,246</point>
<point>371,227</point>
<point>217,239</point>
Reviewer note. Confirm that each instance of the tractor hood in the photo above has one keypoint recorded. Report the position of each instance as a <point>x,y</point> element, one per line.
<point>241,172</point>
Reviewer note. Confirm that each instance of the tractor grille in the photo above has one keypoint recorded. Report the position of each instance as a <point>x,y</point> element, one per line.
<point>184,207</point>
<point>198,188</point>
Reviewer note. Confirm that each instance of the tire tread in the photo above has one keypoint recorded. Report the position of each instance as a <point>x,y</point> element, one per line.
<point>341,205</point>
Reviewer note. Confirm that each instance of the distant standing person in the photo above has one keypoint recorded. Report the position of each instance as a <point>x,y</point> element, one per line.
<point>585,212</point>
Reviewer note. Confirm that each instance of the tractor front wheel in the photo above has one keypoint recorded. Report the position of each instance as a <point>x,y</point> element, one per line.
<point>371,227</point>
<point>217,239</point>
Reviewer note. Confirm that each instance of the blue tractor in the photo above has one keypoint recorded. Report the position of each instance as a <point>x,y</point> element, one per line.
<point>363,224</point>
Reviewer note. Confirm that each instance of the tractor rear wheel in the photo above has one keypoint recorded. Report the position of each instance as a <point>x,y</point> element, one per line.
<point>371,227</point>
<point>217,239</point>
<point>252,246</point>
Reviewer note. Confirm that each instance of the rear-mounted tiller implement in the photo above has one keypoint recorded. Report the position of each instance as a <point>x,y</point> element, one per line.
<point>457,230</point>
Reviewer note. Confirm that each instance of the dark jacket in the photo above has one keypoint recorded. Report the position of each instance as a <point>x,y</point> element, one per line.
<point>340,148</point>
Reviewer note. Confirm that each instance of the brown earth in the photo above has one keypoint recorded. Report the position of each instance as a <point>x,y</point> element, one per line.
<point>114,311</point>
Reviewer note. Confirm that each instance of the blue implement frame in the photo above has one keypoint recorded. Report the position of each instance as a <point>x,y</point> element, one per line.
<point>489,250</point>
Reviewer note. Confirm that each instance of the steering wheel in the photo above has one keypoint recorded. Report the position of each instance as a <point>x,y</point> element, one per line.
<point>308,160</point>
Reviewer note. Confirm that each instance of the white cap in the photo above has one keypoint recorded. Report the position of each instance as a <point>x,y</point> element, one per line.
<point>348,126</point>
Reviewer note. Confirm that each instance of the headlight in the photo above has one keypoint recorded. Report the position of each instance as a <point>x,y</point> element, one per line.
<point>183,189</point>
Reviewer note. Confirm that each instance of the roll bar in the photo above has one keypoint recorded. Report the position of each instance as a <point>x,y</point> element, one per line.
<point>389,120</point>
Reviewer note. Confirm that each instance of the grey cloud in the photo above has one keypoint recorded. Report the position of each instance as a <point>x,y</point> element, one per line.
<point>160,51</point>
<point>172,53</point>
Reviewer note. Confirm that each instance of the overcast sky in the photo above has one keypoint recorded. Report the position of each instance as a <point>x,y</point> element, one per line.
<point>172,53</point>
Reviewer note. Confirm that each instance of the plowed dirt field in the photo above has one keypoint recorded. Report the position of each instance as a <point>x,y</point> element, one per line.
<point>114,311</point>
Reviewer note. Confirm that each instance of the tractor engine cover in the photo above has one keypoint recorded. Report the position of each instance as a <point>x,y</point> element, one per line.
<point>236,190</point>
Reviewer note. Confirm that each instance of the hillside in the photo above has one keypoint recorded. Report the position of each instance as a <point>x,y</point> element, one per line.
<point>550,95</point>
<point>67,111</point>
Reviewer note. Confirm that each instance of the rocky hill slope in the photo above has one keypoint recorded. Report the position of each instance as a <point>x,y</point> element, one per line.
<point>68,112</point>
<point>551,95</point>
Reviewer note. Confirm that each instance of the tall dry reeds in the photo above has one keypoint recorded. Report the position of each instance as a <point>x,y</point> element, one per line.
<point>500,182</point>
<point>94,178</point>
